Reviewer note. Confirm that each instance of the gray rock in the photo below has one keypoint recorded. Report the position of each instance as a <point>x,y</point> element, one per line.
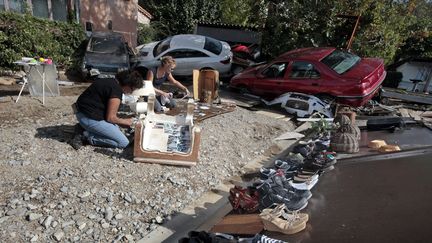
<point>64,189</point>
<point>128,198</point>
<point>68,223</point>
<point>54,224</point>
<point>129,238</point>
<point>47,222</point>
<point>108,214</point>
<point>31,206</point>
<point>105,225</point>
<point>84,194</point>
<point>4,219</point>
<point>81,225</point>
<point>58,236</point>
<point>34,216</point>
<point>89,231</point>
<point>159,219</point>
<point>34,238</point>
<point>119,216</point>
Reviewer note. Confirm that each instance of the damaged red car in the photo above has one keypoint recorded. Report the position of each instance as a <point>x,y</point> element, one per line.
<point>322,71</point>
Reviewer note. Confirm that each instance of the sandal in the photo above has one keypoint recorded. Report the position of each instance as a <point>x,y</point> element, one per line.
<point>243,200</point>
<point>279,220</point>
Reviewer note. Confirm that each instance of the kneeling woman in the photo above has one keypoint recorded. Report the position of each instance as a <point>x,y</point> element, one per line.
<point>98,106</point>
<point>159,75</point>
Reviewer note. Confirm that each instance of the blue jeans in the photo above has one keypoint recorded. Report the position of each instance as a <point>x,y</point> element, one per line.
<point>102,133</point>
<point>158,104</point>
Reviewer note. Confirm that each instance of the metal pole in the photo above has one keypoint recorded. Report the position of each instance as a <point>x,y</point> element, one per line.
<point>353,33</point>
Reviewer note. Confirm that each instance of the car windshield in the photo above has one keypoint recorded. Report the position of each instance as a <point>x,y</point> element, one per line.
<point>161,46</point>
<point>213,45</point>
<point>105,45</point>
<point>341,61</point>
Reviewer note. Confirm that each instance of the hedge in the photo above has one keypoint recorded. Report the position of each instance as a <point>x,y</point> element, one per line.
<point>22,35</point>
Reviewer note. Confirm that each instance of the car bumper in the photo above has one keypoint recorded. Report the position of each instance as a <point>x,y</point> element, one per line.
<point>358,101</point>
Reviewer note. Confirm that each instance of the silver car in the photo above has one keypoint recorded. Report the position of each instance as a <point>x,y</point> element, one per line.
<point>190,52</point>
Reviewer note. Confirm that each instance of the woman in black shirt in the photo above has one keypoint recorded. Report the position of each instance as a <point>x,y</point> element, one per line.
<point>97,109</point>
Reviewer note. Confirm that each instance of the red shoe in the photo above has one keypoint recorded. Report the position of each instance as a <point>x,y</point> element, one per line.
<point>244,200</point>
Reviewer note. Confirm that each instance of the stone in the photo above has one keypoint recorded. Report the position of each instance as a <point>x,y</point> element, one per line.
<point>159,219</point>
<point>128,198</point>
<point>68,223</point>
<point>119,216</point>
<point>31,206</point>
<point>34,238</point>
<point>81,225</point>
<point>105,225</point>
<point>64,189</point>
<point>84,194</point>
<point>108,214</point>
<point>58,236</point>
<point>34,216</point>
<point>89,231</point>
<point>4,219</point>
<point>129,238</point>
<point>54,224</point>
<point>47,222</point>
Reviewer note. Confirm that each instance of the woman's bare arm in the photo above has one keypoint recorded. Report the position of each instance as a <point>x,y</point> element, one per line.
<point>111,116</point>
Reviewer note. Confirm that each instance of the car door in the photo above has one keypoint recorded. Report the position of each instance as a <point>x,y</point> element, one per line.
<point>302,77</point>
<point>187,60</point>
<point>270,80</point>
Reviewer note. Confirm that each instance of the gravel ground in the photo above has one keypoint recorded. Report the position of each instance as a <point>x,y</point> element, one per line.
<point>51,192</point>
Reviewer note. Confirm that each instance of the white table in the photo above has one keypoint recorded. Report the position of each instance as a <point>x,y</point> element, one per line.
<point>30,66</point>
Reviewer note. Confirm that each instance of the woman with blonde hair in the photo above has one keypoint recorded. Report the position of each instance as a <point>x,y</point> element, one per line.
<point>159,75</point>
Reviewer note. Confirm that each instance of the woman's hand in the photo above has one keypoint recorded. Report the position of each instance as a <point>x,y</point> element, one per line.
<point>165,94</point>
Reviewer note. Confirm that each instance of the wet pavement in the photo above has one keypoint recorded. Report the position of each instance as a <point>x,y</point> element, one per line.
<point>409,138</point>
<point>384,198</point>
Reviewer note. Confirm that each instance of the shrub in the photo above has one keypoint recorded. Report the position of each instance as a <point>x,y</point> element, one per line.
<point>146,34</point>
<point>22,35</point>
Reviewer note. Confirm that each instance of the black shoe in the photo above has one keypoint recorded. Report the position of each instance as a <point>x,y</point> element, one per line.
<point>78,141</point>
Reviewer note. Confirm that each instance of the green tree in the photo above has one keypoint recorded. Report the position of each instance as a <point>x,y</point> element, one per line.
<point>306,23</point>
<point>180,17</point>
<point>419,41</point>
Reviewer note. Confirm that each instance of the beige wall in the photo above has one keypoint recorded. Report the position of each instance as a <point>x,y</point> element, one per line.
<point>122,13</point>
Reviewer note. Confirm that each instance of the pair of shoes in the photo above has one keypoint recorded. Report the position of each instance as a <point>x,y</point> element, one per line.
<point>79,140</point>
<point>244,200</point>
<point>206,237</point>
<point>271,194</point>
<point>304,185</point>
<point>279,219</point>
<point>259,238</point>
<point>289,168</point>
<point>279,182</point>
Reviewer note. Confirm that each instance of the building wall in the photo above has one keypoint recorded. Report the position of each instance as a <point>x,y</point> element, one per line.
<point>122,13</point>
<point>142,19</point>
<point>414,70</point>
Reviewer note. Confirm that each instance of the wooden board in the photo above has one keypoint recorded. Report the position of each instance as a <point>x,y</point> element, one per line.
<point>239,224</point>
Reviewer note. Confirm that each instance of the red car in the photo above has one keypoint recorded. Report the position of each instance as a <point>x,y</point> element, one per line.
<point>321,71</point>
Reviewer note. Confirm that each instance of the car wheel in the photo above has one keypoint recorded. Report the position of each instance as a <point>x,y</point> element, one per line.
<point>243,89</point>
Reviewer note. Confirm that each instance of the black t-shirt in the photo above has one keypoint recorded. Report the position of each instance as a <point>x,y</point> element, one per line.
<point>93,102</point>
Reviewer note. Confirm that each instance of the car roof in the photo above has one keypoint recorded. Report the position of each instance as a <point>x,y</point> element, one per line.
<point>311,53</point>
<point>193,41</point>
<point>106,34</point>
